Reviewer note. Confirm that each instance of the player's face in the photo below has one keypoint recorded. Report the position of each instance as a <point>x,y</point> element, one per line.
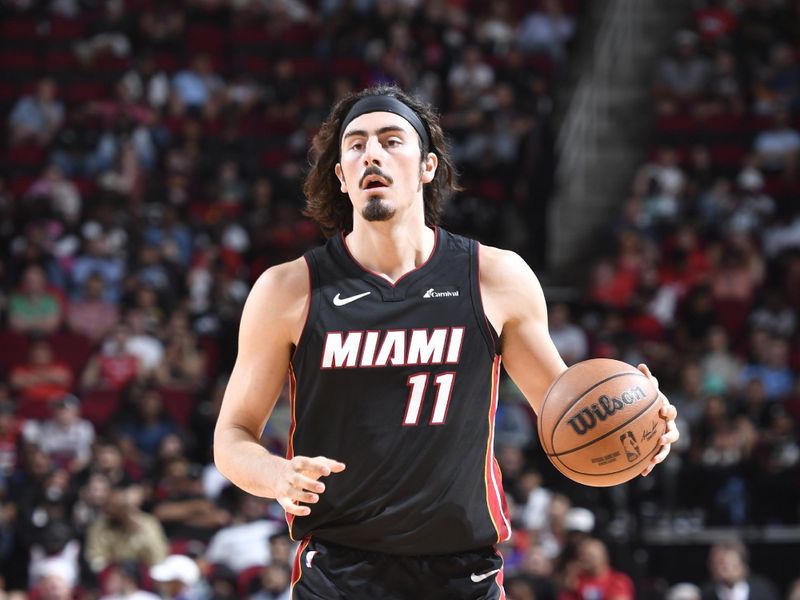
<point>381,167</point>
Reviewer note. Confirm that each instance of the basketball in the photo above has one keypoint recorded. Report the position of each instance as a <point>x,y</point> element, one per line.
<point>599,423</point>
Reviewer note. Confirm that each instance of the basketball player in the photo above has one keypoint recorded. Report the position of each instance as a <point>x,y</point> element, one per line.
<point>392,334</point>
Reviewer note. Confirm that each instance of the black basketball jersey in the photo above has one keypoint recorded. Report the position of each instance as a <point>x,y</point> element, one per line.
<point>399,382</point>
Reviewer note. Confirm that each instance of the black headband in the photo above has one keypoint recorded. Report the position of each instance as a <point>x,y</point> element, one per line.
<point>390,104</point>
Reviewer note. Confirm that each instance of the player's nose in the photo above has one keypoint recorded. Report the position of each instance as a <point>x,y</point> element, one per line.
<point>372,151</point>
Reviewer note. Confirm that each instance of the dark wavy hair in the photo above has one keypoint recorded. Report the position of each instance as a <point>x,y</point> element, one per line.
<point>332,209</point>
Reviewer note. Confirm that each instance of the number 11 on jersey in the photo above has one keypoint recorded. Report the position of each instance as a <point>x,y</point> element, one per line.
<point>419,384</point>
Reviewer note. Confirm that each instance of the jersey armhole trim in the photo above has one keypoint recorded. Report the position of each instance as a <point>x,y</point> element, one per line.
<point>311,312</point>
<point>489,334</point>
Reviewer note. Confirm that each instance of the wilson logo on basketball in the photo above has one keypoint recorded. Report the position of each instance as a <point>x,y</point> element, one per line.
<point>586,419</point>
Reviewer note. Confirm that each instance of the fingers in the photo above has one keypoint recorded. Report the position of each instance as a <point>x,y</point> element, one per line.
<point>671,435</point>
<point>301,482</point>
<point>301,485</point>
<point>646,370</point>
<point>293,508</point>
<point>319,466</point>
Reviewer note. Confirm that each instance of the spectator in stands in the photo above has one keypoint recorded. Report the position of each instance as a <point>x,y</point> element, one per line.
<point>184,364</point>
<point>547,30</point>
<point>569,339</point>
<point>244,543</point>
<point>124,532</point>
<point>280,548</point>
<point>714,20</point>
<point>37,117</point>
<point>53,586</point>
<point>40,380</point>
<point>177,577</point>
<point>730,577</point>
<point>34,309</point>
<point>123,582</point>
<point>60,194</point>
<point>778,148</point>
<point>91,501</point>
<point>472,74</point>
<point>10,435</point>
<point>593,575</point>
<point>686,75</point>
<point>91,314</point>
<point>661,183</point>
<point>719,367</point>
<point>142,435</point>
<point>98,259</point>
<point>65,437</point>
<point>59,549</point>
<point>114,366</point>
<point>778,83</point>
<point>146,82</point>
<point>684,591</point>
<point>109,462</point>
<point>181,507</point>
<point>774,316</point>
<point>772,369</point>
<point>109,35</point>
<point>194,87</point>
<point>274,583</point>
<point>143,322</point>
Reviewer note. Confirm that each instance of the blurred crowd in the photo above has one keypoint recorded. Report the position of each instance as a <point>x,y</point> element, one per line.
<point>151,171</point>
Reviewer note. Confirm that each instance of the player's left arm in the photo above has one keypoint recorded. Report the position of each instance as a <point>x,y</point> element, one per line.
<point>515,306</point>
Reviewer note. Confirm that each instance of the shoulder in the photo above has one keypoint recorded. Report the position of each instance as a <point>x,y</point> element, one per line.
<point>509,289</point>
<point>505,271</point>
<point>279,300</point>
<point>281,286</point>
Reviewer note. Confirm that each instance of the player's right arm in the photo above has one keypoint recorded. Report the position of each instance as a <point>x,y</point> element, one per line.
<point>271,324</point>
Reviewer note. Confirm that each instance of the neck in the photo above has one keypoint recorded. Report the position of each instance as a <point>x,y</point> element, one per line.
<point>390,249</point>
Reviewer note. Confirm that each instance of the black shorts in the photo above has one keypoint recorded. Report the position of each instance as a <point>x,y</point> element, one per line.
<point>324,571</point>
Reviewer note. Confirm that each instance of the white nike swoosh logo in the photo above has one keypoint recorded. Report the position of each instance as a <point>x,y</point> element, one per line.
<point>337,301</point>
<point>309,557</point>
<point>478,578</point>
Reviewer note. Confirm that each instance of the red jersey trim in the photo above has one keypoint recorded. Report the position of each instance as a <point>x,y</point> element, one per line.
<point>495,497</point>
<point>297,564</point>
<point>292,427</point>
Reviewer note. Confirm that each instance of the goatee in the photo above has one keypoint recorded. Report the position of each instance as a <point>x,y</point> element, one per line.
<point>376,210</point>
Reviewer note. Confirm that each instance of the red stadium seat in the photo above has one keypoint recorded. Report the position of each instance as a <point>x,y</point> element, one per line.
<point>19,60</point>
<point>246,578</point>
<point>71,348</point>
<point>205,38</point>
<point>61,60</point>
<point>65,30</point>
<point>178,404</point>
<point>97,406</point>
<point>13,349</point>
<point>21,29</point>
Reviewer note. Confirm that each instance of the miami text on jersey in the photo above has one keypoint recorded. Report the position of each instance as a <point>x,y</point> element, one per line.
<point>395,347</point>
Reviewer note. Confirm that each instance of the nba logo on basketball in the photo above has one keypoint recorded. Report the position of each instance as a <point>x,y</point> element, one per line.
<point>630,446</point>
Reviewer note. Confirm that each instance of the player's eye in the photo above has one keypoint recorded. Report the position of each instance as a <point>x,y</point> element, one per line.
<point>357,146</point>
<point>391,142</point>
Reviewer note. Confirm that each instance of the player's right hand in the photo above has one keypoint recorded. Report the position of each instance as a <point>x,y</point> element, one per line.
<point>298,482</point>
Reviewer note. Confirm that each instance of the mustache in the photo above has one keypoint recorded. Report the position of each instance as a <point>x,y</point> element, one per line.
<point>373,170</point>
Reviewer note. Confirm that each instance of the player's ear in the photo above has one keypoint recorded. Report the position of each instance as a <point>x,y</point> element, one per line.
<point>429,167</point>
<point>340,175</point>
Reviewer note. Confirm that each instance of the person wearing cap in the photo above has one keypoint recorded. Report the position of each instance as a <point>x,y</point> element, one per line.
<point>392,334</point>
<point>177,577</point>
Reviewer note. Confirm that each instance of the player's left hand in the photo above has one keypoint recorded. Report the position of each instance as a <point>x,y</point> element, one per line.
<point>668,412</point>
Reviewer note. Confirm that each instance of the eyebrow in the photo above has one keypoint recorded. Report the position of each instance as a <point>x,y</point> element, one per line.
<point>381,131</point>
